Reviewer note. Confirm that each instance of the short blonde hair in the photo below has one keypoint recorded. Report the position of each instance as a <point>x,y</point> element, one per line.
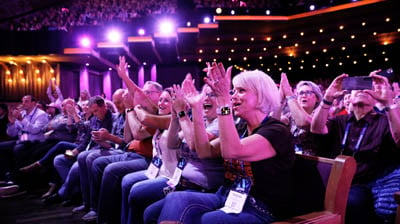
<point>268,98</point>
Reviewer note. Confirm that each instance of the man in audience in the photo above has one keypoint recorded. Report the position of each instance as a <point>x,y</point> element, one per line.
<point>371,138</point>
<point>28,125</point>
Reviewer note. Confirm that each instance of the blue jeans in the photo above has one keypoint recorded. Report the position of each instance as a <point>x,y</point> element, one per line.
<point>194,207</point>
<point>360,205</point>
<point>126,184</point>
<point>68,170</point>
<point>59,148</point>
<point>106,186</point>
<point>143,194</point>
<point>85,160</point>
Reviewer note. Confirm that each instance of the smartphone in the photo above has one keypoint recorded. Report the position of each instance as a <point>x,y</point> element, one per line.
<point>357,83</point>
<point>388,73</point>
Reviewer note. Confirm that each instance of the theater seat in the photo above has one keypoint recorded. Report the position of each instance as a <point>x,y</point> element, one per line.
<point>322,186</point>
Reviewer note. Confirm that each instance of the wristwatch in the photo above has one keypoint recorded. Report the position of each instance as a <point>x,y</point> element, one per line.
<point>224,110</point>
<point>181,114</point>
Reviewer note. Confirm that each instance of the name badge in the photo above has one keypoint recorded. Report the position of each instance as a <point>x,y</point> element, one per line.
<point>237,196</point>
<point>24,137</point>
<point>177,173</point>
<point>154,168</point>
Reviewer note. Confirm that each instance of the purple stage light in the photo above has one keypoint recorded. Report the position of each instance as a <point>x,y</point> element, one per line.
<point>114,36</point>
<point>85,42</point>
<point>141,32</point>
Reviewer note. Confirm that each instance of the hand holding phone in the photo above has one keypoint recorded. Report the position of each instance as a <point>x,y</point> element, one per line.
<point>357,83</point>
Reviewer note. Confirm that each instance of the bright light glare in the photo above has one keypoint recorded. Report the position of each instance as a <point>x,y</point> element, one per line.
<point>85,42</point>
<point>141,32</point>
<point>114,36</point>
<point>206,19</point>
<point>166,27</point>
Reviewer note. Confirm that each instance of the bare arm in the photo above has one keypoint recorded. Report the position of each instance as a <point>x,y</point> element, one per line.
<point>318,124</point>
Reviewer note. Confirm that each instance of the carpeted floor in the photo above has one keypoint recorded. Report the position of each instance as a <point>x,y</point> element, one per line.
<point>29,209</point>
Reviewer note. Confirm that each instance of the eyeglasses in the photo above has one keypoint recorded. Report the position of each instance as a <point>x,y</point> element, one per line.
<point>210,95</point>
<point>148,92</point>
<point>307,93</point>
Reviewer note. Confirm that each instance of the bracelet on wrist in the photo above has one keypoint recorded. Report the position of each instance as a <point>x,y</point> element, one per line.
<point>327,102</point>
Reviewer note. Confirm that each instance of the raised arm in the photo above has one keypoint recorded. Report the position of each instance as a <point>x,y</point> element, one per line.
<point>318,124</point>
<point>301,118</point>
<point>383,93</point>
<point>136,91</point>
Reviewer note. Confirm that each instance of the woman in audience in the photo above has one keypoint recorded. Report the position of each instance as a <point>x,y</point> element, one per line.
<point>160,170</point>
<point>55,96</point>
<point>258,157</point>
<point>301,109</point>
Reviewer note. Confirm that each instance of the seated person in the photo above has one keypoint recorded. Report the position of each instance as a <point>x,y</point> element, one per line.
<point>371,138</point>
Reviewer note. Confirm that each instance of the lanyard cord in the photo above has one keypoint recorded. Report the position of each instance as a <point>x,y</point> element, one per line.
<point>360,138</point>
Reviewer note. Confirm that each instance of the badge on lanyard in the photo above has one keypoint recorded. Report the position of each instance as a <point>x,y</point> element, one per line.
<point>177,173</point>
<point>237,195</point>
<point>154,168</point>
<point>24,137</point>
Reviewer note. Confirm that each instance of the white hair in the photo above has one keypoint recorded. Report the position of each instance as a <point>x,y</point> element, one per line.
<point>268,98</point>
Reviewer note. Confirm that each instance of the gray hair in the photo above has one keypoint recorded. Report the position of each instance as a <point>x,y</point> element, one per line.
<point>157,85</point>
<point>315,88</point>
<point>268,98</point>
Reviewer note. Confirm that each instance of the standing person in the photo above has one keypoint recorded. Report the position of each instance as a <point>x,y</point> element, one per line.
<point>258,158</point>
<point>371,138</point>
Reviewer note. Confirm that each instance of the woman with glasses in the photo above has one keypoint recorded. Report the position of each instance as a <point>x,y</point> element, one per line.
<point>301,108</point>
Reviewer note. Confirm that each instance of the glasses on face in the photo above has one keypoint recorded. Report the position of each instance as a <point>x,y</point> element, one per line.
<point>210,95</point>
<point>148,92</point>
<point>306,93</point>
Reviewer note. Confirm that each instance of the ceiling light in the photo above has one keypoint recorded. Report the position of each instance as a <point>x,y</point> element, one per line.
<point>370,60</point>
<point>312,7</point>
<point>267,12</point>
<point>301,33</point>
<point>363,23</point>
<point>235,39</point>
<point>354,62</point>
<point>269,38</point>
<point>244,58</point>
<point>232,50</point>
<point>252,39</point>
<point>114,36</point>
<point>321,30</point>
<point>232,12</point>
<point>199,60</point>
<point>284,36</point>
<point>184,60</point>
<point>343,48</point>
<point>275,56</point>
<point>188,23</point>
<point>218,39</point>
<point>248,49</point>
<point>141,32</point>
<point>386,59</point>
<point>218,10</point>
<point>332,39</point>
<point>387,19</point>
<point>200,51</point>
<point>340,63</point>
<point>206,19</point>
<point>374,33</point>
<point>307,52</point>
<point>314,42</point>
<point>324,50</point>
<point>264,49</point>
<point>216,51</point>
<point>341,27</point>
<point>353,36</point>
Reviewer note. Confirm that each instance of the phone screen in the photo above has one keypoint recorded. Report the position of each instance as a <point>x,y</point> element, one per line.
<point>357,83</point>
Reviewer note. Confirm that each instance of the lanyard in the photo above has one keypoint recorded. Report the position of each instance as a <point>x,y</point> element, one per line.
<point>360,138</point>
<point>243,135</point>
<point>33,114</point>
<point>157,141</point>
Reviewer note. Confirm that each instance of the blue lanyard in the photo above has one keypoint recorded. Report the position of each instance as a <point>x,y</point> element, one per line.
<point>360,138</point>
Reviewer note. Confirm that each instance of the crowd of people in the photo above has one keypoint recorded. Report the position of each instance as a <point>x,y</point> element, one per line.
<point>225,154</point>
<point>91,13</point>
<point>79,13</point>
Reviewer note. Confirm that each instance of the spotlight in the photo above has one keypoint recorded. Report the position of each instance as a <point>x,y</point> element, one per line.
<point>166,27</point>
<point>114,36</point>
<point>85,42</point>
<point>232,12</point>
<point>206,19</point>
<point>312,7</point>
<point>218,10</point>
<point>267,12</point>
<point>141,32</point>
<point>188,23</point>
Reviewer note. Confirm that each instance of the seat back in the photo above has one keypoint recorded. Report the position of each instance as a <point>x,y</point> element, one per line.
<point>322,184</point>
